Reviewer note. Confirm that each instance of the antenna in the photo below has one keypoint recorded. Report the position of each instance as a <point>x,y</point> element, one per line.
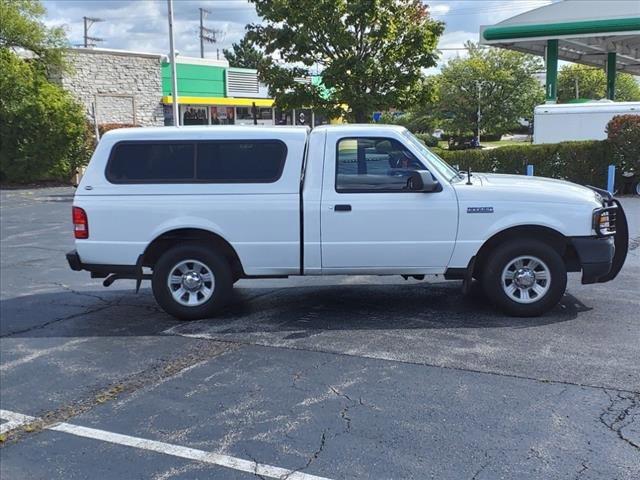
<point>206,34</point>
<point>90,41</point>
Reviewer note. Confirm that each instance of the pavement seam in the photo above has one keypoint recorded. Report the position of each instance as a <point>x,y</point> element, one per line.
<point>169,332</point>
<point>158,372</point>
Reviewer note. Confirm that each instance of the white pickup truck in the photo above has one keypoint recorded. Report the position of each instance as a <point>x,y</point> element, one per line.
<point>195,209</point>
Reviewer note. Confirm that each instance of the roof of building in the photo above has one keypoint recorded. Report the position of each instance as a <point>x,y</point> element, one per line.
<point>114,51</point>
<point>165,58</point>
<point>586,31</point>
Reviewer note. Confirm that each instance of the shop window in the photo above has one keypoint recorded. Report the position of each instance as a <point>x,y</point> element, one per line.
<point>194,115</point>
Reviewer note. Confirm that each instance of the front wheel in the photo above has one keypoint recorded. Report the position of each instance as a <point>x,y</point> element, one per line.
<point>525,278</point>
<point>191,282</point>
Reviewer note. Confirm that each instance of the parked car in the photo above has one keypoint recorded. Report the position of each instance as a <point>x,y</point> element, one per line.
<point>195,209</point>
<point>463,143</point>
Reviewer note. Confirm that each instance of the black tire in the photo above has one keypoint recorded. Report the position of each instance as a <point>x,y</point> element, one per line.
<point>502,256</point>
<point>216,263</point>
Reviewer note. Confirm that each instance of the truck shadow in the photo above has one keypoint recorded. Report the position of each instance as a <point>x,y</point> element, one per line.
<point>293,312</point>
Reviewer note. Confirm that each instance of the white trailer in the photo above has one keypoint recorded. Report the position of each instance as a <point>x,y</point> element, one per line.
<point>577,121</point>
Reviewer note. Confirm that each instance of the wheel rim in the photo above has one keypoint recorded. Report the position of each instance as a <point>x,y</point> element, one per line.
<point>191,283</point>
<point>526,279</point>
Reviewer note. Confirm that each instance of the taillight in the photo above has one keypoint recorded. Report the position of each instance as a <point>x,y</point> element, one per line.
<point>80,223</point>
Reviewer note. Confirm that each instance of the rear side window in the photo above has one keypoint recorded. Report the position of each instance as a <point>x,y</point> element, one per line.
<point>151,162</point>
<point>225,161</point>
<point>246,161</point>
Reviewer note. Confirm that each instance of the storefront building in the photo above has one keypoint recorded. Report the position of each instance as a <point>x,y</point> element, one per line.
<point>210,92</point>
<point>134,88</point>
<point>115,86</point>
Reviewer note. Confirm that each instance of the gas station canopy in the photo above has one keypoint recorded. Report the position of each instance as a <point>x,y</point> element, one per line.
<point>600,33</point>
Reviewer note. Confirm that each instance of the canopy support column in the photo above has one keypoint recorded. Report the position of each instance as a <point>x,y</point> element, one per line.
<point>552,70</point>
<point>611,75</point>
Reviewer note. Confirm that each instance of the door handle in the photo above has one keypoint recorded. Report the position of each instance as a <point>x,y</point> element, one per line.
<point>342,208</point>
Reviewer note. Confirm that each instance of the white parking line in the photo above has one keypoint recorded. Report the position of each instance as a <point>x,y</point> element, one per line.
<point>40,353</point>
<point>14,420</point>
<point>17,419</point>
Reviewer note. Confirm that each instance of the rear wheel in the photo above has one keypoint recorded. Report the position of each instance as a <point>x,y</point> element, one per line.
<point>192,282</point>
<point>525,278</point>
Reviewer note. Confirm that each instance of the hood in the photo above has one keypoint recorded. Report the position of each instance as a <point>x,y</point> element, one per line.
<point>522,188</point>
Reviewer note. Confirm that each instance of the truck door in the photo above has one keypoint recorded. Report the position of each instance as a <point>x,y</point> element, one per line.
<point>370,221</point>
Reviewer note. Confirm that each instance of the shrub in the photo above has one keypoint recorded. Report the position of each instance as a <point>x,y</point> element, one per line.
<point>623,132</point>
<point>105,127</point>
<point>42,129</point>
<point>580,162</point>
<point>428,139</point>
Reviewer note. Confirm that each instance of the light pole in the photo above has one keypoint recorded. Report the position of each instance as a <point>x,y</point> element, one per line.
<point>174,78</point>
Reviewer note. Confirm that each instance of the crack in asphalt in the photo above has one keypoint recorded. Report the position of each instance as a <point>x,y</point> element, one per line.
<point>345,410</point>
<point>312,458</point>
<point>160,371</point>
<point>106,304</point>
<point>256,464</point>
<point>583,469</point>
<point>482,467</point>
<point>616,417</point>
<point>56,320</point>
<point>300,373</point>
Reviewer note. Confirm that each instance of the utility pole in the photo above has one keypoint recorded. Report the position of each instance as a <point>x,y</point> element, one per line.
<point>88,41</point>
<point>206,34</point>
<point>479,114</point>
<point>174,78</point>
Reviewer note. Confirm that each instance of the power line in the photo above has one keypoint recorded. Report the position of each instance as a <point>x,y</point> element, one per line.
<point>90,41</point>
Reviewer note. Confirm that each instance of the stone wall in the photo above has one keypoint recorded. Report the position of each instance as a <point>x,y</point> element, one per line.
<point>126,87</point>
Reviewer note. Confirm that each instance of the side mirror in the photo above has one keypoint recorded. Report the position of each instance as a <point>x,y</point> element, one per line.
<point>422,181</point>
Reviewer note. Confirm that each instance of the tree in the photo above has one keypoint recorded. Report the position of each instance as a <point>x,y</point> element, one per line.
<point>498,83</point>
<point>243,54</point>
<point>42,129</point>
<point>370,53</point>
<point>422,117</point>
<point>22,29</point>
<point>591,82</point>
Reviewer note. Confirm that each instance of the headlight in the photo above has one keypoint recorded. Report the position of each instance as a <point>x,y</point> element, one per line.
<point>604,221</point>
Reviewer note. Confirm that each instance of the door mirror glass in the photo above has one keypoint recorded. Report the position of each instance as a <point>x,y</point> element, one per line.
<point>422,181</point>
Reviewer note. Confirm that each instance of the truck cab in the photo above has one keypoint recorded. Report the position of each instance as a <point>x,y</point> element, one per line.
<point>194,209</point>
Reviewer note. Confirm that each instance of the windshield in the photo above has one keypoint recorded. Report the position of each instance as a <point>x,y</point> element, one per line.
<point>435,161</point>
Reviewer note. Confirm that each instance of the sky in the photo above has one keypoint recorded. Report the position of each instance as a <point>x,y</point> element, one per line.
<point>141,25</point>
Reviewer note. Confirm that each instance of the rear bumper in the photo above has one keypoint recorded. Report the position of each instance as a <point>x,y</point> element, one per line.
<point>100,270</point>
<point>74,261</point>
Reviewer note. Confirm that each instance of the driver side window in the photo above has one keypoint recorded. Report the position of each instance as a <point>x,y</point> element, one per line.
<point>373,164</point>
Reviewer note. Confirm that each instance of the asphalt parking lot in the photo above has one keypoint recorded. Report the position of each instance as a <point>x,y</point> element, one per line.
<point>308,378</point>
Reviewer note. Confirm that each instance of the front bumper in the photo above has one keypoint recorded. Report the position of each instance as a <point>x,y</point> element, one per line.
<point>602,258</point>
<point>595,255</point>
